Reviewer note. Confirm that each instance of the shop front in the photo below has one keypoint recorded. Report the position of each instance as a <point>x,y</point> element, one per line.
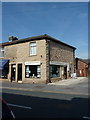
<point>24,71</point>
<point>60,70</point>
<point>4,68</point>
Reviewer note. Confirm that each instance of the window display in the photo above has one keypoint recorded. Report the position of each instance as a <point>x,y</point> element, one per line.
<point>32,71</point>
<point>54,71</point>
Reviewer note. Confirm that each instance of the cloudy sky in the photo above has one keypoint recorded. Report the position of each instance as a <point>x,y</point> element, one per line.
<point>66,21</point>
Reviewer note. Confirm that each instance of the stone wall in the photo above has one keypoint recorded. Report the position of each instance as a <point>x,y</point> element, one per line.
<point>47,51</point>
<point>19,53</point>
<point>62,53</point>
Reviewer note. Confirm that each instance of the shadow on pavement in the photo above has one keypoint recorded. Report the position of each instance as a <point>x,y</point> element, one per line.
<point>48,108</point>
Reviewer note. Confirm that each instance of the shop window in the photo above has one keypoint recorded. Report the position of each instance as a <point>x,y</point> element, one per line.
<point>54,71</point>
<point>32,71</point>
<point>1,52</point>
<point>33,48</point>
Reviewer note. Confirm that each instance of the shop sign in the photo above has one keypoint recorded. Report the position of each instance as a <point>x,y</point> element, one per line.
<point>32,63</point>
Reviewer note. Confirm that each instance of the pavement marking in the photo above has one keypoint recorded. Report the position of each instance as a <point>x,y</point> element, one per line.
<point>25,107</point>
<point>85,117</point>
<point>36,90</point>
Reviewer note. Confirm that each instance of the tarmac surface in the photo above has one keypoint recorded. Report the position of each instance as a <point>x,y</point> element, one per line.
<point>62,99</point>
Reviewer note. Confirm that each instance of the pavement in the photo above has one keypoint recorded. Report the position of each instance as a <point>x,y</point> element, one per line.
<point>77,85</point>
<point>71,81</point>
<point>61,82</point>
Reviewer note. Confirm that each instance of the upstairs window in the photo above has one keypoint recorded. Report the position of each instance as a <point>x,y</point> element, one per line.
<point>1,52</point>
<point>33,48</point>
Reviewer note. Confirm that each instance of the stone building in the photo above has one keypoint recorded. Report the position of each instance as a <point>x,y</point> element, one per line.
<point>38,59</point>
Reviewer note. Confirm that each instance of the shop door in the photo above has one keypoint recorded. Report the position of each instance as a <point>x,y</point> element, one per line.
<point>13,72</point>
<point>19,71</point>
<point>65,72</point>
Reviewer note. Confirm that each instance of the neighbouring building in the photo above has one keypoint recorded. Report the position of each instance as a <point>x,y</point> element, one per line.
<point>82,67</point>
<point>4,65</point>
<point>38,59</point>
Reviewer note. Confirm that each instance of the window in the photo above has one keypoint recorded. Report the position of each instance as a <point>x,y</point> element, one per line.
<point>54,71</point>
<point>33,48</point>
<point>1,52</point>
<point>32,71</point>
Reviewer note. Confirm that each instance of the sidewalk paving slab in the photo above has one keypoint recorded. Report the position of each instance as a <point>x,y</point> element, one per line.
<point>69,81</point>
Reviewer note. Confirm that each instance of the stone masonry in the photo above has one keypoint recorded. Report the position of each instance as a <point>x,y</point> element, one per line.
<point>63,53</point>
<point>19,53</point>
<point>47,50</point>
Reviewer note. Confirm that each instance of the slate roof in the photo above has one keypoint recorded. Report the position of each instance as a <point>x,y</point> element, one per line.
<point>39,37</point>
<point>87,61</point>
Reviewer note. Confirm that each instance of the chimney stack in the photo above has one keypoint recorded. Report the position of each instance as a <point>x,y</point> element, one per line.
<point>12,38</point>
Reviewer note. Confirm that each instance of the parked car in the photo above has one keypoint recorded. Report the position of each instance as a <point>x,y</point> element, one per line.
<point>6,111</point>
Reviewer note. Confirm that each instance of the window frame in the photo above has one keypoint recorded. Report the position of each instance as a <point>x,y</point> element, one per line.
<point>2,52</point>
<point>30,48</point>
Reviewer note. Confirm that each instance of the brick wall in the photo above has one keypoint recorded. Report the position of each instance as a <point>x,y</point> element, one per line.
<point>81,68</point>
<point>81,65</point>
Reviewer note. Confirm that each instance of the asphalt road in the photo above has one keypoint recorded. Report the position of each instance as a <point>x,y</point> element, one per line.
<point>47,101</point>
<point>27,106</point>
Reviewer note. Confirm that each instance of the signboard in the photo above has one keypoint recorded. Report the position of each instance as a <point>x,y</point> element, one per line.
<point>33,63</point>
<point>58,63</point>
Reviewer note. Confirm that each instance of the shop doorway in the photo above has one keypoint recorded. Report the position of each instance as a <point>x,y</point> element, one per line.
<point>65,72</point>
<point>19,72</point>
<point>13,72</point>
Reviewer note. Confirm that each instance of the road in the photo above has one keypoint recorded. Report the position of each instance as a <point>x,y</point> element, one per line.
<point>47,101</point>
<point>27,105</point>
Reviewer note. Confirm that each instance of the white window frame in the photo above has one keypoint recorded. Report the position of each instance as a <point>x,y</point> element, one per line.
<point>2,51</point>
<point>33,48</point>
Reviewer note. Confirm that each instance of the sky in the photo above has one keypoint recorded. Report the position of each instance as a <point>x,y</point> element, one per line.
<point>45,0</point>
<point>65,21</point>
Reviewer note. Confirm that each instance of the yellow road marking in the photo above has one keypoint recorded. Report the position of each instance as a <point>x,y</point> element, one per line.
<point>36,90</point>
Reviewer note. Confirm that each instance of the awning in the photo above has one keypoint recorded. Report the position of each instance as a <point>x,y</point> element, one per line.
<point>3,63</point>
